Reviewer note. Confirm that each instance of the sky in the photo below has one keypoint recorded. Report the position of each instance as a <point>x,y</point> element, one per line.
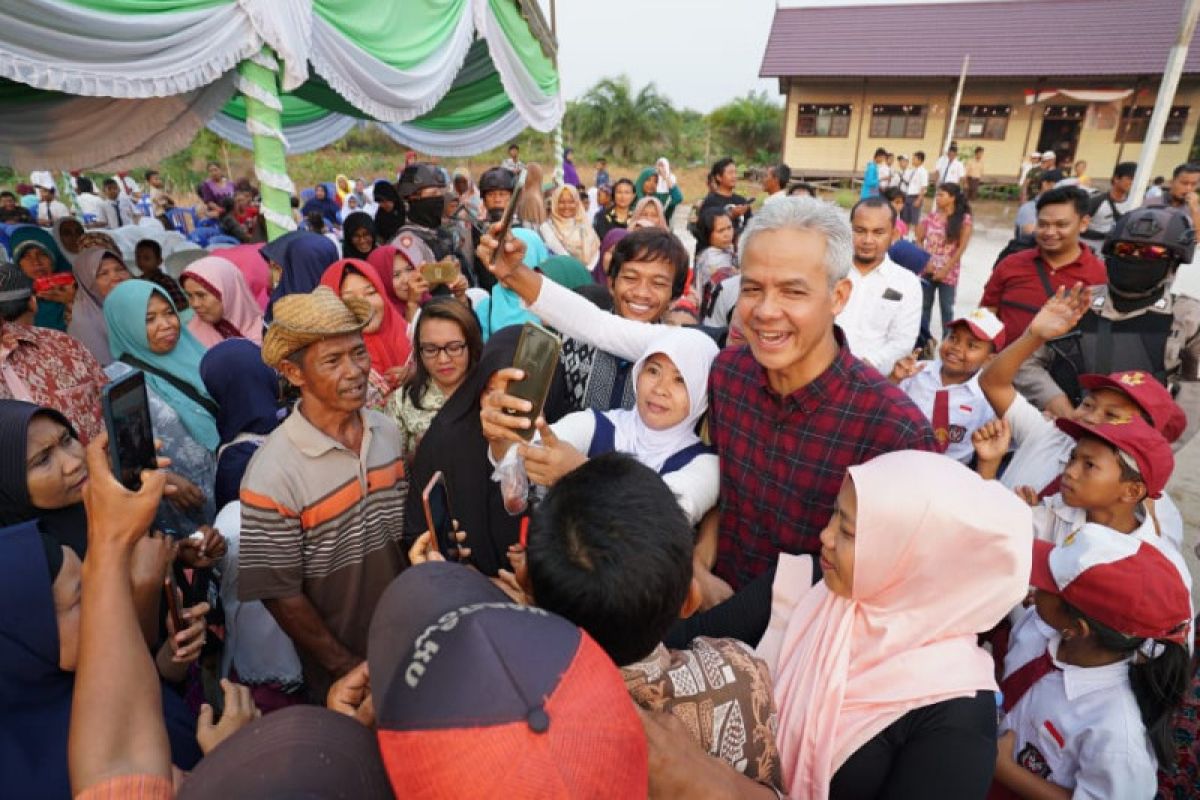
<point>700,53</point>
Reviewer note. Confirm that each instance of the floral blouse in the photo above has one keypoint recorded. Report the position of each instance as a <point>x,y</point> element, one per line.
<point>414,421</point>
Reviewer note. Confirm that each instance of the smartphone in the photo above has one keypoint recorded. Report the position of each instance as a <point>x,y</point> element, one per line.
<point>174,603</point>
<point>438,518</point>
<point>126,410</point>
<point>51,281</point>
<point>537,356</point>
<point>511,208</point>
<point>440,272</point>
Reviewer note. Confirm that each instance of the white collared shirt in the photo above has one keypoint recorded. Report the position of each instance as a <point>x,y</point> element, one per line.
<point>918,181</point>
<point>773,196</point>
<point>1079,728</point>
<point>950,171</point>
<point>969,409</point>
<point>882,318</point>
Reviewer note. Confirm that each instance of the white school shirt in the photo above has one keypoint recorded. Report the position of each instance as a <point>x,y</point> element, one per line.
<point>882,318</point>
<point>969,409</point>
<point>108,212</point>
<point>950,171</point>
<point>918,182</point>
<point>1042,452</point>
<point>1080,727</point>
<point>885,176</point>
<point>49,212</point>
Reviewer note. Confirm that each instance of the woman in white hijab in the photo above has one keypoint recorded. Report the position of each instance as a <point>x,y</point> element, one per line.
<point>567,232</point>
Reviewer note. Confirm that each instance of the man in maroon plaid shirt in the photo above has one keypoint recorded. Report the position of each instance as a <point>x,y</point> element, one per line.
<point>790,413</point>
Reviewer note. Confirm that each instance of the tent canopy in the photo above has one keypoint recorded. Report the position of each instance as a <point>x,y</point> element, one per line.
<point>113,84</point>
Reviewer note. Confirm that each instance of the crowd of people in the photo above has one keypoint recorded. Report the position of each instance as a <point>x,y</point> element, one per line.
<point>766,536</point>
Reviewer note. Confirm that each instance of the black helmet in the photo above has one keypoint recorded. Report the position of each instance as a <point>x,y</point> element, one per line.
<point>417,177</point>
<point>496,179</point>
<point>1161,225</point>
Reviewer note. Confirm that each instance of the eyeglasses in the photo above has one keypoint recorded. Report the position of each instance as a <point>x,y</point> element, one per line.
<point>1148,252</point>
<point>452,349</point>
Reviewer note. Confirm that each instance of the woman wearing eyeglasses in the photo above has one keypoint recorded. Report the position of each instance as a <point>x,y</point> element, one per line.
<point>447,343</point>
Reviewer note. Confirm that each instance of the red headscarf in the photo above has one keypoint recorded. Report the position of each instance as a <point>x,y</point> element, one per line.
<point>389,346</point>
<point>382,258</point>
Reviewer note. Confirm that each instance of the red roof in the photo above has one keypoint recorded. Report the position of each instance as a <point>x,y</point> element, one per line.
<point>1025,38</point>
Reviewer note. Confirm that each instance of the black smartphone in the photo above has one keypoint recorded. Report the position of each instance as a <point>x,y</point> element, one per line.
<point>438,517</point>
<point>537,356</point>
<point>126,408</point>
<point>511,209</point>
<point>174,601</point>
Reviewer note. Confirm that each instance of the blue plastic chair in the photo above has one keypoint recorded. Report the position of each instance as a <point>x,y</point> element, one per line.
<point>222,239</point>
<point>88,219</point>
<point>180,217</point>
<point>144,208</point>
<point>306,195</point>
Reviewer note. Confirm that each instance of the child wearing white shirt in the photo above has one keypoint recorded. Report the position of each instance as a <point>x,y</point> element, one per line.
<point>1094,672</point>
<point>947,389</point>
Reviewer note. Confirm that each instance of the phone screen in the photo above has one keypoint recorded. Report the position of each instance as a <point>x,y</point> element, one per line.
<point>536,356</point>
<point>130,432</point>
<point>437,512</point>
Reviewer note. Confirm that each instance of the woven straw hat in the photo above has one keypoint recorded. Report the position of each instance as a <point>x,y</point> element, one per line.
<point>302,319</point>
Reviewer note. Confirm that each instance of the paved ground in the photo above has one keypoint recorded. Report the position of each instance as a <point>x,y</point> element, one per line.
<point>993,230</point>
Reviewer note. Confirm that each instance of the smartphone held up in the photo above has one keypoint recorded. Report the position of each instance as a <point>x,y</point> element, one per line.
<point>126,408</point>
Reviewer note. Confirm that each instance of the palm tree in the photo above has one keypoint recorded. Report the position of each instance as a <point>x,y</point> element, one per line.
<point>612,117</point>
<point>750,125</point>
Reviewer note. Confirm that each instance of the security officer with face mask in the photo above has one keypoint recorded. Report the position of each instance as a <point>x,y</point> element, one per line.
<point>423,237</point>
<point>1135,323</point>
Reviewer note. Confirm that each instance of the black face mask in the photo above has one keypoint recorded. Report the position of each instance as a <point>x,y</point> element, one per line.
<point>427,212</point>
<point>494,215</point>
<point>1138,279</point>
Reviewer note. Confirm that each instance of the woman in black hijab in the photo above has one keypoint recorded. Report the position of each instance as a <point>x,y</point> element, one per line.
<point>358,236</point>
<point>389,217</point>
<point>42,475</point>
<point>455,445</point>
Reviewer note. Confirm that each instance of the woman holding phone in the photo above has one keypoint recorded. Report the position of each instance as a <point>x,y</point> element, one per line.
<point>145,333</point>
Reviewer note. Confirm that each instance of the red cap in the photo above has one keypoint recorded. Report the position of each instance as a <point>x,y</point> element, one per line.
<point>985,325</point>
<point>1150,395</point>
<point>1133,437</point>
<point>1117,580</point>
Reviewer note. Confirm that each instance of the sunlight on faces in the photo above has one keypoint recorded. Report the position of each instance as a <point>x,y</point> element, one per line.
<point>786,307</point>
<point>1093,478</point>
<point>162,325</point>
<point>872,229</point>
<point>402,273</point>
<point>446,369</point>
<point>963,353</point>
<point>332,373</point>
<point>566,205</point>
<point>662,395</point>
<point>206,304</point>
<point>722,233</point>
<point>642,290</point>
<point>356,286</point>
<point>67,591</point>
<point>36,263</point>
<point>110,272</point>
<point>837,542</point>
<point>1058,228</point>
<point>55,467</point>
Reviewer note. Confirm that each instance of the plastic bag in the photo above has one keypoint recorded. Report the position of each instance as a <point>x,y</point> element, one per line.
<point>514,483</point>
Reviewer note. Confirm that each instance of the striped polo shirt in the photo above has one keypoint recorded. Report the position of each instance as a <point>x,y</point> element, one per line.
<point>323,521</point>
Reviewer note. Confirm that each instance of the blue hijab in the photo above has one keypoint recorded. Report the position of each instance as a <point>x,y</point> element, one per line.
<point>503,307</point>
<point>35,695</point>
<point>304,256</point>
<point>328,207</point>
<point>49,314</point>
<point>125,314</point>
<point>246,390</point>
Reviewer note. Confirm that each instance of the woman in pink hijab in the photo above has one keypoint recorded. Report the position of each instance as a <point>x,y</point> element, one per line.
<point>881,686</point>
<point>222,304</point>
<point>249,259</point>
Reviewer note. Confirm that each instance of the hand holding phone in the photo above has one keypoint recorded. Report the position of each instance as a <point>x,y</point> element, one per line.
<point>537,356</point>
<point>47,282</point>
<point>174,600</point>
<point>126,408</point>
<point>440,520</point>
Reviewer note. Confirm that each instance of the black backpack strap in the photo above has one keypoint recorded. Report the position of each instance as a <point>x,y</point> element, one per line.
<point>188,390</point>
<point>1043,276</point>
<point>684,457</point>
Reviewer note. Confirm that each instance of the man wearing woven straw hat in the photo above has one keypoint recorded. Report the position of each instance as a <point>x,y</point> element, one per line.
<point>323,498</point>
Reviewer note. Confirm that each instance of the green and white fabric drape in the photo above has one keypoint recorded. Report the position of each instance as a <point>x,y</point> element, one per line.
<point>443,76</point>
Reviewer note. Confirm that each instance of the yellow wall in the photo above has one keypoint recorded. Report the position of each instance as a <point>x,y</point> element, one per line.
<point>822,155</point>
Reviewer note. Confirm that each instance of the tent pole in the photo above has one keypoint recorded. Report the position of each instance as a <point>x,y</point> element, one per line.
<point>258,82</point>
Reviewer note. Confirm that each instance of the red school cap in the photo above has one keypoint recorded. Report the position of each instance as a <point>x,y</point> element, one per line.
<point>1150,395</point>
<point>1133,437</point>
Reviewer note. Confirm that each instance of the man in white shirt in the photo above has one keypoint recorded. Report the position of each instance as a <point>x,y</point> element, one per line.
<point>89,201</point>
<point>49,209</point>
<point>118,209</point>
<point>914,192</point>
<point>883,316</point>
<point>776,181</point>
<point>949,169</point>
<point>886,171</point>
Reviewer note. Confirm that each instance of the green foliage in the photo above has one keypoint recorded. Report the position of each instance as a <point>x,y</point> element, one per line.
<point>624,124</point>
<point>751,126</point>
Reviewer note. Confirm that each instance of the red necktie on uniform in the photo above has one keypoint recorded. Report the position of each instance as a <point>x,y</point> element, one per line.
<point>941,419</point>
<point>1052,488</point>
<point>1016,685</point>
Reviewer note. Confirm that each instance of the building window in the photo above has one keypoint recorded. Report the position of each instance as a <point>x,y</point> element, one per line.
<point>982,122</point>
<point>898,122</point>
<point>1135,121</point>
<point>823,120</point>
